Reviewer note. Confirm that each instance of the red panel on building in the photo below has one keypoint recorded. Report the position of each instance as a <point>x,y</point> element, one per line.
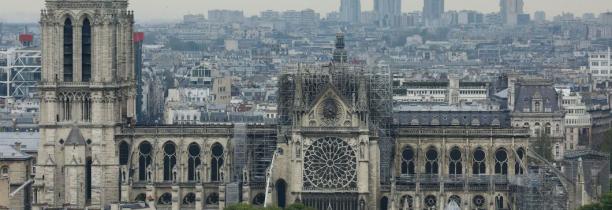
<point>26,37</point>
<point>138,36</point>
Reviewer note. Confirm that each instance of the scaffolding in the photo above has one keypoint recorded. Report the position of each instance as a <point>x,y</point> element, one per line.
<point>540,189</point>
<point>300,85</point>
<point>20,71</point>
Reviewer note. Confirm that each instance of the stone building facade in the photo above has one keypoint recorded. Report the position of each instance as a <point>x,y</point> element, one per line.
<point>336,145</point>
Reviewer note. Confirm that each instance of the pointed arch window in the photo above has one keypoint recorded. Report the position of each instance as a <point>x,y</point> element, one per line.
<point>68,49</point>
<point>501,162</point>
<point>86,51</point>
<point>454,165</point>
<point>478,165</point>
<point>169,161</point>
<point>518,169</point>
<point>406,202</point>
<point>431,164</point>
<point>407,166</point>
<point>216,162</point>
<point>193,162</point>
<point>145,159</point>
<point>124,153</point>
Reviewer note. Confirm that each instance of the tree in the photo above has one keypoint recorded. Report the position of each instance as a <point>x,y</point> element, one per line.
<point>298,206</point>
<point>605,204</point>
<point>543,146</point>
<point>244,206</point>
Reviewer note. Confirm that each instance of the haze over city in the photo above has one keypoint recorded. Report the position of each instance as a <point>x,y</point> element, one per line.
<point>165,10</point>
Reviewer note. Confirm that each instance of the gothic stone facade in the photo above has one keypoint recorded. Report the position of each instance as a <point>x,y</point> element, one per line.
<point>328,154</point>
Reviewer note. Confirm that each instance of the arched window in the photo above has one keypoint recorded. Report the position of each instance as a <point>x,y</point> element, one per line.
<point>430,202</point>
<point>547,129</point>
<point>456,199</point>
<point>5,170</point>
<point>431,166</point>
<point>455,166</point>
<point>124,153</point>
<point>478,166</point>
<point>406,203</point>
<point>259,199</point>
<point>479,201</point>
<point>518,169</point>
<point>189,199</point>
<point>384,203</point>
<point>86,51</point>
<point>499,202</point>
<point>140,197</point>
<point>407,166</point>
<point>169,161</point>
<point>165,199</point>
<point>68,48</point>
<point>193,162</point>
<point>212,199</point>
<point>501,162</point>
<point>216,162</point>
<point>145,150</point>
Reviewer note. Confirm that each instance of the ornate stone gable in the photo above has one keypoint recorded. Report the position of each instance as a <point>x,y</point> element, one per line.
<point>330,109</point>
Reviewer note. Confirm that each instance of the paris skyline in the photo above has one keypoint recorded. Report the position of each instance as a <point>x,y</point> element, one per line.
<point>161,10</point>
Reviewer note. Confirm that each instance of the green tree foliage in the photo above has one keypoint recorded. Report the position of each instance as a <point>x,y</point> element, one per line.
<point>243,206</point>
<point>605,204</point>
<point>178,45</point>
<point>298,206</point>
<point>543,146</point>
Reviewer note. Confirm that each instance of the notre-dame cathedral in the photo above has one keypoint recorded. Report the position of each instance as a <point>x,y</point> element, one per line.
<point>338,144</point>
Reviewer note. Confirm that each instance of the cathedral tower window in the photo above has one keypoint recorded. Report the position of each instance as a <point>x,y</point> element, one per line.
<point>189,199</point>
<point>478,165</point>
<point>406,203</point>
<point>169,161</point>
<point>518,169</point>
<point>88,179</point>
<point>124,153</point>
<point>456,199</point>
<point>384,203</point>
<point>430,202</point>
<point>499,202</point>
<point>165,199</point>
<point>216,162</point>
<point>455,166</point>
<point>407,166</point>
<point>68,49</point>
<point>501,162</point>
<point>193,162</point>
<point>144,161</point>
<point>431,166</point>
<point>212,199</point>
<point>86,51</point>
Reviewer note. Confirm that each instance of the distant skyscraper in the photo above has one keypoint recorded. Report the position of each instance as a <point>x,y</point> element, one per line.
<point>509,11</point>
<point>539,17</point>
<point>388,11</point>
<point>432,9</point>
<point>350,11</point>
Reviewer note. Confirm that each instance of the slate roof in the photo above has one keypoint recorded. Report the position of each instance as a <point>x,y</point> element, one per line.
<point>525,93</point>
<point>8,152</point>
<point>75,137</point>
<point>453,118</point>
<point>29,140</point>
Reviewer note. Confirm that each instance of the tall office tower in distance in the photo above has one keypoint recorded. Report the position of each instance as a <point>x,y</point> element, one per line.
<point>388,12</point>
<point>539,17</point>
<point>432,10</point>
<point>350,11</point>
<point>510,10</point>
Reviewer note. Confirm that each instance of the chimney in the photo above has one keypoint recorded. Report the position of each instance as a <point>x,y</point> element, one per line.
<point>18,146</point>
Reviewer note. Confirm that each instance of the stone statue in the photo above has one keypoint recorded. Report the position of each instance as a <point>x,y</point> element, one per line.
<point>149,173</point>
<point>362,150</point>
<point>174,174</point>
<point>198,172</point>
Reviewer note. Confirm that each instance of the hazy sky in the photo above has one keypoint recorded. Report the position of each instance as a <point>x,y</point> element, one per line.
<point>147,10</point>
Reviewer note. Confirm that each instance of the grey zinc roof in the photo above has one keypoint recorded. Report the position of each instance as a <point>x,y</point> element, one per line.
<point>453,118</point>
<point>8,152</point>
<point>75,137</point>
<point>525,94</point>
<point>29,140</point>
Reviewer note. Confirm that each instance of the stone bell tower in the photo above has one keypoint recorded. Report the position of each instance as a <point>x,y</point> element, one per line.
<point>87,93</point>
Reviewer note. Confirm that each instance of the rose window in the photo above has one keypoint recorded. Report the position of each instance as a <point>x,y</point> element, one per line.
<point>330,163</point>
